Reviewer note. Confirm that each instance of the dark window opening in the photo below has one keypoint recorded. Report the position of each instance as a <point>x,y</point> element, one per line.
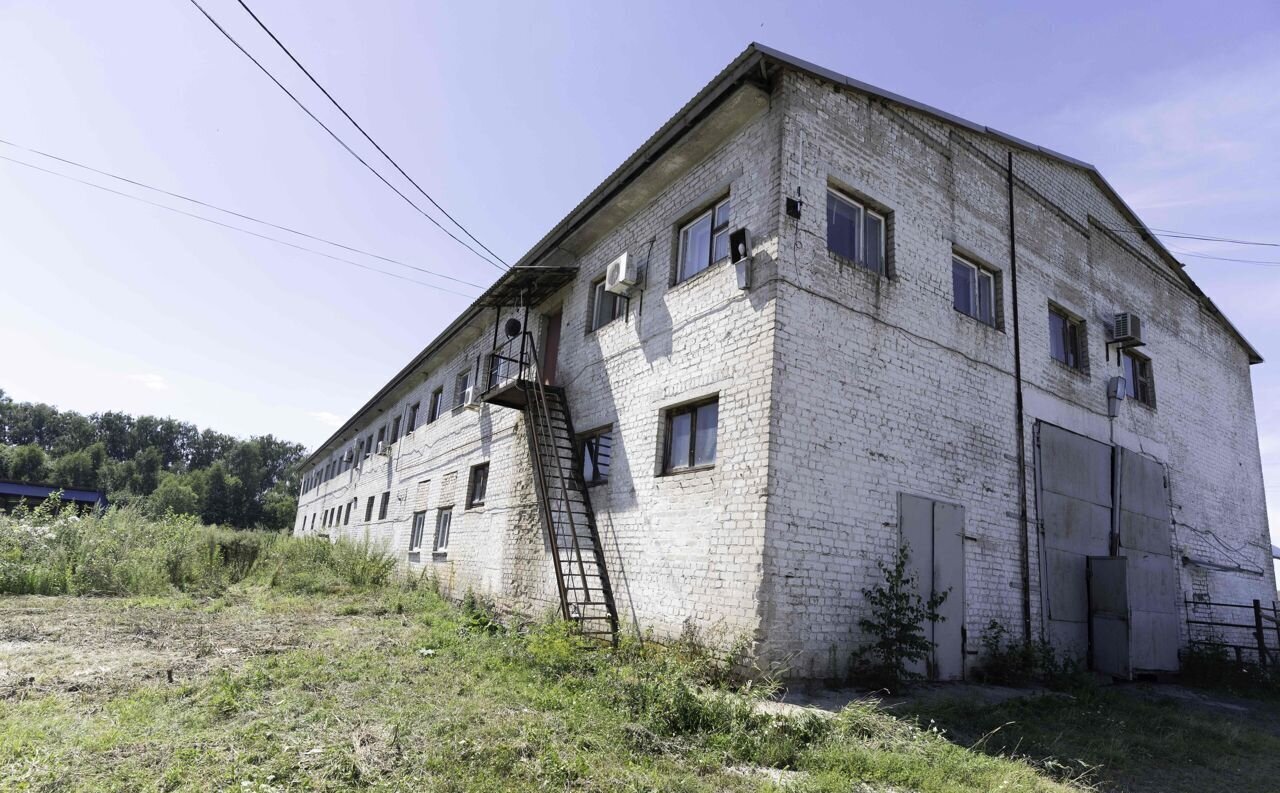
<point>855,232</point>
<point>435,405</point>
<point>597,453</point>
<point>973,290</point>
<point>382,505</point>
<point>704,240</point>
<point>691,436</point>
<point>1066,339</point>
<point>478,485</point>
<point>1137,378</point>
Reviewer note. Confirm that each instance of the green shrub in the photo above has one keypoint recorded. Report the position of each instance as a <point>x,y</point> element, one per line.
<point>1013,663</point>
<point>895,623</point>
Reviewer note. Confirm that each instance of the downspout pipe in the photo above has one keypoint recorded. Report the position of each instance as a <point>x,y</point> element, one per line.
<point>1024,537</point>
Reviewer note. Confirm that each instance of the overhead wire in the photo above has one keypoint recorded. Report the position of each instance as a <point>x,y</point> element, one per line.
<point>239,214</point>
<point>362,131</point>
<point>339,140</point>
<point>236,228</point>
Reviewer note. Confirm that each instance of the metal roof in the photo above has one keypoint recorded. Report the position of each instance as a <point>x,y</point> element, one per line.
<point>752,65</point>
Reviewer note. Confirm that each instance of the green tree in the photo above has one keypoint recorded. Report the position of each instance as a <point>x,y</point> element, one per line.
<point>175,494</point>
<point>896,614</point>
<point>28,463</point>
<point>75,469</point>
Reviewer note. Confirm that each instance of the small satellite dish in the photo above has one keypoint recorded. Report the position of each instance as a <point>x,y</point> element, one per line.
<point>512,328</point>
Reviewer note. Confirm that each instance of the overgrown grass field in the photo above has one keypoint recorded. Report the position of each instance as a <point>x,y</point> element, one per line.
<point>231,661</point>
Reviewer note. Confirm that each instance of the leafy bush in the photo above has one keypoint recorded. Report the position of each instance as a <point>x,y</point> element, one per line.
<point>1206,666</point>
<point>1013,663</point>
<point>896,625</point>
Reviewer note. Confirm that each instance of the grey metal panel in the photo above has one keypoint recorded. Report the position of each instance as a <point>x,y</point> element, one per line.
<point>915,528</point>
<point>948,575</point>
<point>1146,534</point>
<point>1069,639</point>
<point>1109,619</point>
<point>1068,596</point>
<point>1075,466</point>
<point>1072,524</point>
<point>1153,594</point>
<point>1153,644</point>
<point>1142,485</point>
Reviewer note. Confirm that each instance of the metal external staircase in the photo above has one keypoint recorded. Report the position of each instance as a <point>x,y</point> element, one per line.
<point>586,597</point>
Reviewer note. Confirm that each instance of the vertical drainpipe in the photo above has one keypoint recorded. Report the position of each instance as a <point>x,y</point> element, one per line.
<point>1024,539</point>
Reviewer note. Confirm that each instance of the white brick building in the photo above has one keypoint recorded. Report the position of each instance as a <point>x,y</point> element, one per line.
<point>867,384</point>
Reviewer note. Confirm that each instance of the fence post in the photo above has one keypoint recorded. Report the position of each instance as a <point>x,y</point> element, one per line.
<point>1258,634</point>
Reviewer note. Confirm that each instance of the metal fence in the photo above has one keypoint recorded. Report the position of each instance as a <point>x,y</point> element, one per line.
<point>1249,632</point>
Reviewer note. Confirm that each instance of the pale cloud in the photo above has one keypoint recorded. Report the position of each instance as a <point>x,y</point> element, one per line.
<point>155,382</point>
<point>326,418</point>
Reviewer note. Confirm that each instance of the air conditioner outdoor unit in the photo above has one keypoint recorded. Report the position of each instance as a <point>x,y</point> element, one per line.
<point>384,448</point>
<point>1127,328</point>
<point>348,457</point>
<point>621,275</point>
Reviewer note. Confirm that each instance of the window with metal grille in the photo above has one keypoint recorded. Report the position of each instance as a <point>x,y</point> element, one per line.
<point>597,452</point>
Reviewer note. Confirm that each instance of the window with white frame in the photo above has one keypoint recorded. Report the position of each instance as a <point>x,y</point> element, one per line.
<point>605,305</point>
<point>478,485</point>
<point>1137,378</point>
<point>462,388</point>
<point>691,436</point>
<point>704,240</point>
<point>416,531</point>
<point>855,232</point>
<point>973,290</point>
<point>444,519</point>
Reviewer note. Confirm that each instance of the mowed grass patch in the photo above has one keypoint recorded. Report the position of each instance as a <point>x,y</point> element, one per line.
<point>395,689</point>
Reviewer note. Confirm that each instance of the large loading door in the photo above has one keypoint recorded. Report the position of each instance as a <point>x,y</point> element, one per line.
<point>1081,483</point>
<point>934,534</point>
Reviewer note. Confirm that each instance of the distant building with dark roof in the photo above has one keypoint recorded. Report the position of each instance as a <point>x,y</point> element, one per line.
<point>14,493</point>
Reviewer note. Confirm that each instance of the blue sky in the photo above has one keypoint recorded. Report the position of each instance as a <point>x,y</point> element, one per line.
<point>509,114</point>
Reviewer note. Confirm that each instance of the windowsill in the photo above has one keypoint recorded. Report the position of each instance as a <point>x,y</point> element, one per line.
<point>597,483</point>
<point>613,321</point>
<point>713,266</point>
<point>991,325</point>
<point>439,556</point>
<point>478,505</point>
<point>840,260</point>
<point>1139,402</point>
<point>1076,370</point>
<point>693,469</point>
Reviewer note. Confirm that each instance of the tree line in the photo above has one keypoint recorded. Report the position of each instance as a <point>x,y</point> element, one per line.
<point>159,463</point>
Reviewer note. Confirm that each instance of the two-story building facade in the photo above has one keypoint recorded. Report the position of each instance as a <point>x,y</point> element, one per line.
<point>837,321</point>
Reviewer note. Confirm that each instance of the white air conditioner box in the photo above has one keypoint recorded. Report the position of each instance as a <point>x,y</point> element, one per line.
<point>621,275</point>
<point>1127,329</point>
<point>384,448</point>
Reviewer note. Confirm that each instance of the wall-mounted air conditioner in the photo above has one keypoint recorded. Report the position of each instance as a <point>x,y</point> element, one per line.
<point>384,448</point>
<point>1126,329</point>
<point>620,275</point>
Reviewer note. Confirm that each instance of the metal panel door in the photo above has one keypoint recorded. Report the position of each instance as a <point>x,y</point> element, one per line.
<point>1075,512</point>
<point>933,531</point>
<point>948,576</point>
<point>1109,617</point>
<point>1146,535</point>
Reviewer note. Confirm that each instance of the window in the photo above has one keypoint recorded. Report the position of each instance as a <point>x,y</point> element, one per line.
<point>704,240</point>
<point>346,517</point>
<point>1137,378</point>
<point>478,485</point>
<point>415,533</point>
<point>382,505</point>
<point>605,305</point>
<point>368,444</point>
<point>1066,337</point>
<point>973,290</point>
<point>382,435</point>
<point>855,232</point>
<point>313,521</point>
<point>413,418</point>
<point>435,404</point>
<point>597,452</point>
<point>691,436</point>
<point>368,510</point>
<point>395,430</point>
<point>462,388</point>
<point>444,517</point>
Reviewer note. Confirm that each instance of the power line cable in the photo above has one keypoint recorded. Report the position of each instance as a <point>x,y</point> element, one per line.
<point>239,214</point>
<point>340,141</point>
<point>366,135</point>
<point>236,228</point>
<point>1259,262</point>
<point>1186,235</point>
